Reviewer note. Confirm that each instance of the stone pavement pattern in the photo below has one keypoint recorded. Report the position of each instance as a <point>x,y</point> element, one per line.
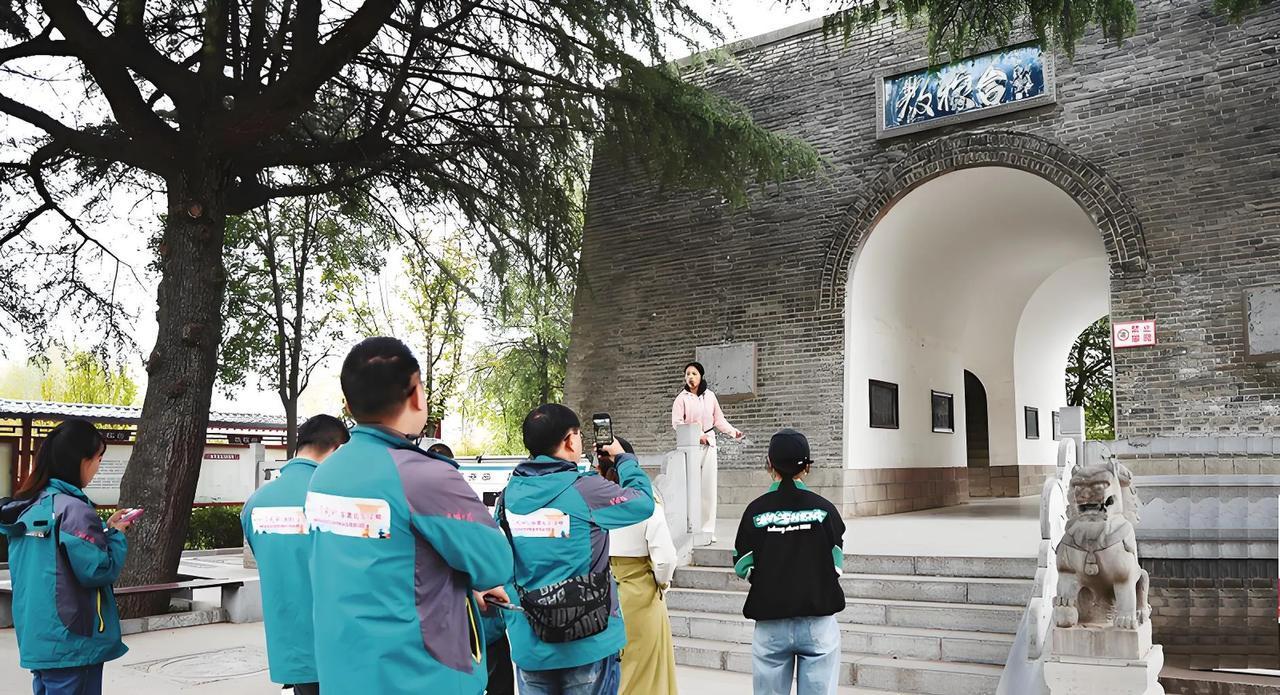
<point>228,659</point>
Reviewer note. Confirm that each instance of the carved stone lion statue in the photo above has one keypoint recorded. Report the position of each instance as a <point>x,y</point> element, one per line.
<point>1099,579</point>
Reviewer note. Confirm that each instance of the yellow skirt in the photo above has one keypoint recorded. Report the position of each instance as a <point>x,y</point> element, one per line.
<point>649,659</point>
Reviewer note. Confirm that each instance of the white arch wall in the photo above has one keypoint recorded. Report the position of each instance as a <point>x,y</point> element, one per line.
<point>1054,316</point>
<point>958,275</point>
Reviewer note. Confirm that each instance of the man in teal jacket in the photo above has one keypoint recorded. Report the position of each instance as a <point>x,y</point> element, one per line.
<point>559,520</point>
<point>277,532</point>
<point>400,542</point>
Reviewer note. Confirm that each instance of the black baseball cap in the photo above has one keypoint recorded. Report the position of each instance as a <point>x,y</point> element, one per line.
<point>789,449</point>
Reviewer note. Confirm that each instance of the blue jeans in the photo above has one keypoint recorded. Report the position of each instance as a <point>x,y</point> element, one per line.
<point>598,678</point>
<point>806,650</point>
<point>82,680</point>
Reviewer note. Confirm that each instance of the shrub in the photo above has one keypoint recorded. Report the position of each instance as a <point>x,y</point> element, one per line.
<point>215,527</point>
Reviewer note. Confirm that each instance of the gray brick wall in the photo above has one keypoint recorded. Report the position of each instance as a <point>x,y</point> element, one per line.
<point>1177,129</point>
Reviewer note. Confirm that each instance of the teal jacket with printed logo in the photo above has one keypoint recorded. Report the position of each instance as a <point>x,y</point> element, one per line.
<point>63,560</point>
<point>399,541</point>
<point>560,521</point>
<point>276,529</point>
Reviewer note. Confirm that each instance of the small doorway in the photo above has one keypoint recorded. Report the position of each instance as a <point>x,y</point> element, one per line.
<point>977,440</point>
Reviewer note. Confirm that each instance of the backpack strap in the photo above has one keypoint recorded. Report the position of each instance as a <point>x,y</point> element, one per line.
<point>501,506</point>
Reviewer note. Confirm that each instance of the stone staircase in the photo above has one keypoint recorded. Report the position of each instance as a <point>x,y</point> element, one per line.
<point>926,625</point>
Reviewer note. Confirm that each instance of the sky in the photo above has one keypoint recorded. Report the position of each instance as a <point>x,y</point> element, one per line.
<point>737,18</point>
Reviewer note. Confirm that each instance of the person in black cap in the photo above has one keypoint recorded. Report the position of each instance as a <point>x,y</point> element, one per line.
<point>790,547</point>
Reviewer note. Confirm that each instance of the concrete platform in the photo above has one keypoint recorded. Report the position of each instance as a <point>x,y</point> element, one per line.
<point>1005,527</point>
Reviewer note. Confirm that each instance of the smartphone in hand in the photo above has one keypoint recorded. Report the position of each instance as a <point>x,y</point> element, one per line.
<point>132,514</point>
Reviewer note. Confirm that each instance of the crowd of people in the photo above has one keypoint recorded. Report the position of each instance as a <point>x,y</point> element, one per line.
<point>383,573</point>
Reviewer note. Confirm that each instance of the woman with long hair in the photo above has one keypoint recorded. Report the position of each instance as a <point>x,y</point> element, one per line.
<point>697,404</point>
<point>643,559</point>
<point>63,560</point>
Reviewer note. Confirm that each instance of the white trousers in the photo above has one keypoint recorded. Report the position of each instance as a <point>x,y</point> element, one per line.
<point>709,491</point>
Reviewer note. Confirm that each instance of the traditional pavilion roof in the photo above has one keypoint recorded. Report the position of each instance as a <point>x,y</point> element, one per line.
<point>123,414</point>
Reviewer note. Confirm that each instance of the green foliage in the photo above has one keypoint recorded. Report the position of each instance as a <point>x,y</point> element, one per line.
<point>214,527</point>
<point>1099,414</point>
<point>427,305</point>
<point>284,263</point>
<point>528,313</point>
<point>962,27</point>
<point>705,142</point>
<point>1089,376</point>
<point>84,377</point>
<point>522,369</point>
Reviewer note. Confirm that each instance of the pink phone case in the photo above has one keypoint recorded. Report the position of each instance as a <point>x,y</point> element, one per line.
<point>130,516</point>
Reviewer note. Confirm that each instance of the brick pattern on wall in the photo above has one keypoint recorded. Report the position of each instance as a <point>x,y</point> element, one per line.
<point>1200,464</point>
<point>874,492</point>
<point>855,492</point>
<point>1217,613</point>
<point>1008,481</point>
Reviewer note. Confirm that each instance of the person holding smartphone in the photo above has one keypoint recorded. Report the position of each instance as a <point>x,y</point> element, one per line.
<point>697,404</point>
<point>557,521</point>
<point>63,560</point>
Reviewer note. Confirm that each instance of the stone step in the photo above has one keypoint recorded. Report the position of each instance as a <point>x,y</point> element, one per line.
<point>970,617</point>
<point>883,640</point>
<point>1005,592</point>
<point>932,566</point>
<point>861,670</point>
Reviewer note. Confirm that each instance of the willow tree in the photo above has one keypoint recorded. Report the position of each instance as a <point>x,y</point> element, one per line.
<point>478,110</point>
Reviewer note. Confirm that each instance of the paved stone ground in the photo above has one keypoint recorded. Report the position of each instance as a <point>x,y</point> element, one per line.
<point>228,659</point>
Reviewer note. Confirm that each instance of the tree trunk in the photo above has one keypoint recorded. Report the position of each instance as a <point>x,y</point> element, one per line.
<point>165,464</point>
<point>291,425</point>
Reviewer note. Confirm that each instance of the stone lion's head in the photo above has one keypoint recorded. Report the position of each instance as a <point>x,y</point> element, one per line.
<point>1103,489</point>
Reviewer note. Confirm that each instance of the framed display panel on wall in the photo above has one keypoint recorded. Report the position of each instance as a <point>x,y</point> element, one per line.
<point>943,407</point>
<point>1033,422</point>
<point>1057,427</point>
<point>883,398</point>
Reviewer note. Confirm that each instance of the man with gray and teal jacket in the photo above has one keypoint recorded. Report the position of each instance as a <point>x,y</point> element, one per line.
<point>276,529</point>
<point>399,544</point>
<point>559,521</point>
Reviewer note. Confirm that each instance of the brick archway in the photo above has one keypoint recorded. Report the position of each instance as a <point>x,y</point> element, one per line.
<point>1096,193</point>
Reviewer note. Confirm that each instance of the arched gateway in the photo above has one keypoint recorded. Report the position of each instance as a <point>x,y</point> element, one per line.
<point>1096,193</point>
<point>981,253</point>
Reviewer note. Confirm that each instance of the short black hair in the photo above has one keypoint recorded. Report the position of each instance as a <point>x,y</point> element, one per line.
<point>324,432</point>
<point>702,374</point>
<point>546,426</point>
<point>440,448</point>
<point>377,377</point>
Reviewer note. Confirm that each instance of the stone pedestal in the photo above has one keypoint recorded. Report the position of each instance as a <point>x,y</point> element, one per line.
<point>1088,660</point>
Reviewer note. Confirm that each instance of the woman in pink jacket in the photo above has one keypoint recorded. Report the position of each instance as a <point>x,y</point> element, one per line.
<point>697,404</point>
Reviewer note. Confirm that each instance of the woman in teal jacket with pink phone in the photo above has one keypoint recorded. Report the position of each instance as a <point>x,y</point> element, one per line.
<point>63,560</point>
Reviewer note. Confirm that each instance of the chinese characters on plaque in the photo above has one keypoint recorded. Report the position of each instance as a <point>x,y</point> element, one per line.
<point>1008,79</point>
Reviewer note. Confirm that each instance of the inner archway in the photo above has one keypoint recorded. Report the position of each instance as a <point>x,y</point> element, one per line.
<point>977,443</point>
<point>991,270</point>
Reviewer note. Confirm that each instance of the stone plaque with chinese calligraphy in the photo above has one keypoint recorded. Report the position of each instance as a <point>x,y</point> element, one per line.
<point>924,97</point>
